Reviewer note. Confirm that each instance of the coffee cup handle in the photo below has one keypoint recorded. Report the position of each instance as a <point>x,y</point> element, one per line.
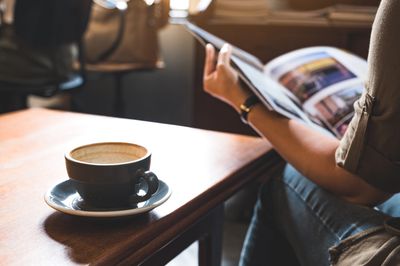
<point>152,185</point>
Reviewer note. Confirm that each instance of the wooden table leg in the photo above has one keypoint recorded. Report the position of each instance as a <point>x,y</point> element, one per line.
<point>210,246</point>
<point>208,231</point>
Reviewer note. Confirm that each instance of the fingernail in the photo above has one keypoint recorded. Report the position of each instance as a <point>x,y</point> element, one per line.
<point>224,49</point>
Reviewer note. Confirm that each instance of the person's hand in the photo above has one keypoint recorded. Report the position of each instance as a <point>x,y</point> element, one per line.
<point>220,79</point>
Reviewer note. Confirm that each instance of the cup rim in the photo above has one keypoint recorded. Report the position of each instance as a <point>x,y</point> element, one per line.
<point>68,156</point>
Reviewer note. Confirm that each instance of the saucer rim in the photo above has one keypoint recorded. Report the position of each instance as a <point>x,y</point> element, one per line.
<point>116,213</point>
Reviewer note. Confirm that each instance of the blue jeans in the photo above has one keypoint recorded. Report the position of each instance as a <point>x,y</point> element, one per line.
<point>295,222</point>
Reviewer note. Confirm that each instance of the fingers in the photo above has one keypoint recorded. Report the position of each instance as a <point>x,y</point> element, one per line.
<point>209,65</point>
<point>224,55</point>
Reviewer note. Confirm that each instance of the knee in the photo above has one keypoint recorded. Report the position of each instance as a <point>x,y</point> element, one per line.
<point>279,186</point>
<point>289,176</point>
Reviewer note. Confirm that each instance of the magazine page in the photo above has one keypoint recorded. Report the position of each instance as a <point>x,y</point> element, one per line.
<point>269,92</point>
<point>317,76</point>
<point>251,72</point>
<point>334,106</point>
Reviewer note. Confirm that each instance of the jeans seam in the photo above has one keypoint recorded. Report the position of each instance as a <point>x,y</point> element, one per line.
<point>311,209</point>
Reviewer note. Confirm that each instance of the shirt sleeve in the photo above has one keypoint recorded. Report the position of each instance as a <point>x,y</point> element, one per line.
<point>370,147</point>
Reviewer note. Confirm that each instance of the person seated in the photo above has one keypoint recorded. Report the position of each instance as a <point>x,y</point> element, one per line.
<point>335,201</point>
<point>36,49</point>
<point>22,63</point>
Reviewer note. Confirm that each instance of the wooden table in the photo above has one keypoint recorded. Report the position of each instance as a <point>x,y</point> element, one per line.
<point>203,168</point>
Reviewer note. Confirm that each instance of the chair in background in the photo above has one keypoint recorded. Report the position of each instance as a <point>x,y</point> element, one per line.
<point>118,72</point>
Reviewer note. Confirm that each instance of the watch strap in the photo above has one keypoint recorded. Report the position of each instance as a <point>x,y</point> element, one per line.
<point>246,107</point>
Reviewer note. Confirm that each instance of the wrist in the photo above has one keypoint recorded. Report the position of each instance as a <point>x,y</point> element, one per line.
<point>246,107</point>
<point>239,99</point>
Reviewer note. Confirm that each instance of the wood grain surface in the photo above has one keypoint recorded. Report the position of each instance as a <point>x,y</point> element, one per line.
<point>203,168</point>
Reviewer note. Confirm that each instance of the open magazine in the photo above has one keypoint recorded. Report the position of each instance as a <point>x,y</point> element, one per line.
<point>316,85</point>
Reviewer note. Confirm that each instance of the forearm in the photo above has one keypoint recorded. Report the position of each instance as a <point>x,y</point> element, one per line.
<point>313,154</point>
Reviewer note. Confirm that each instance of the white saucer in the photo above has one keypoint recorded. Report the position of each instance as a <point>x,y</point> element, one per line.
<point>64,197</point>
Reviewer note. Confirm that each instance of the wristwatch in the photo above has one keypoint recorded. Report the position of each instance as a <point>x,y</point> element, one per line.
<point>246,107</point>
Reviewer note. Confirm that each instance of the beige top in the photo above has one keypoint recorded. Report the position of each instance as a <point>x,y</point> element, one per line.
<point>371,146</point>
